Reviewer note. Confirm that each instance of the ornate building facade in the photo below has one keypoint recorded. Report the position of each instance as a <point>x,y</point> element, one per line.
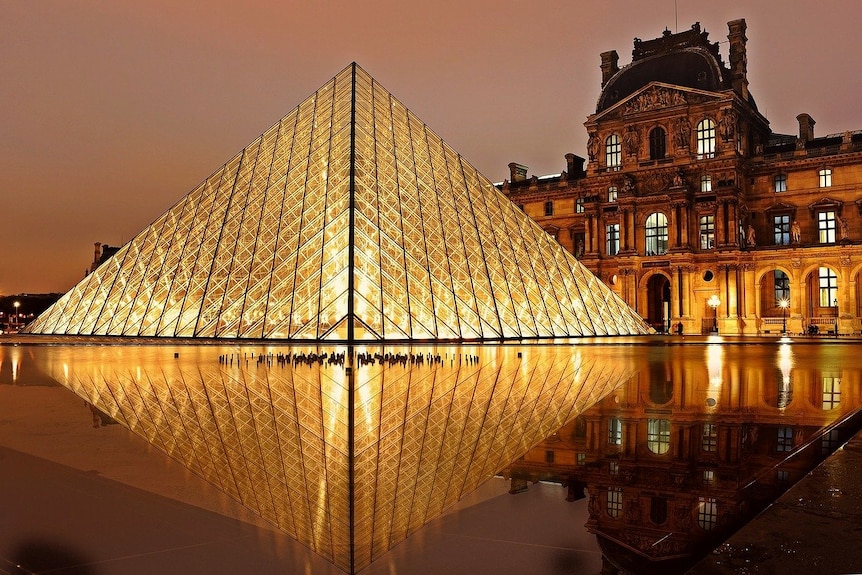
<point>694,211</point>
<point>688,451</point>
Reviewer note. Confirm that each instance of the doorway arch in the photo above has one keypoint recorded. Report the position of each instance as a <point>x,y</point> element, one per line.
<point>658,303</point>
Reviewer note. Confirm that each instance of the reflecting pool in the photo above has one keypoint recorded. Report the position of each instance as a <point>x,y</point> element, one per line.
<point>670,446</point>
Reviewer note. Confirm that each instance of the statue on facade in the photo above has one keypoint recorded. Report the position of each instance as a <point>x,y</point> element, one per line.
<point>727,125</point>
<point>632,140</point>
<point>750,239</point>
<point>593,146</point>
<point>795,232</point>
<point>678,182</point>
<point>843,228</point>
<point>683,133</point>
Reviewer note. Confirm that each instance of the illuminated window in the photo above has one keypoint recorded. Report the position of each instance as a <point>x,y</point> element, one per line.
<point>656,234</point>
<point>826,227</point>
<point>615,431</point>
<point>785,439</point>
<point>781,227</point>
<point>579,206</point>
<point>708,477</point>
<point>709,438</point>
<point>828,283</point>
<point>613,152</point>
<point>831,392</point>
<point>582,459</point>
<point>781,286</point>
<point>549,208</point>
<point>612,194</point>
<point>705,133</point>
<point>707,513</point>
<point>825,177</point>
<point>657,144</point>
<point>612,237</point>
<point>779,183</point>
<point>707,232</point>
<point>706,183</point>
<point>658,435</point>
<point>614,468</point>
<point>615,501</point>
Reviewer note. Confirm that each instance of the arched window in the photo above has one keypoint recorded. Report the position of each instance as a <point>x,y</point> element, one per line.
<point>658,435</point>
<point>782,286</point>
<point>657,144</point>
<point>656,234</point>
<point>705,133</point>
<point>613,152</point>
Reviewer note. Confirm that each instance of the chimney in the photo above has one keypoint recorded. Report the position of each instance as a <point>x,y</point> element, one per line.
<point>517,172</point>
<point>609,65</point>
<point>574,166</point>
<point>97,253</point>
<point>806,127</point>
<point>738,57</point>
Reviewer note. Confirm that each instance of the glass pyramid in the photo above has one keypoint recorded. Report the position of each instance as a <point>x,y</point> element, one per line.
<point>348,220</point>
<point>349,474</point>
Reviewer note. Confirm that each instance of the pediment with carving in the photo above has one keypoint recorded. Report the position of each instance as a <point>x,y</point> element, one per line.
<point>656,96</point>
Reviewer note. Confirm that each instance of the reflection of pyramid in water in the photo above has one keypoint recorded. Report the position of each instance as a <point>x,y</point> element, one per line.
<point>347,220</point>
<point>348,479</point>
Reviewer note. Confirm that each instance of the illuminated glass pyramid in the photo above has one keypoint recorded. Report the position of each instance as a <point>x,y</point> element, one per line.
<point>348,220</point>
<point>349,462</point>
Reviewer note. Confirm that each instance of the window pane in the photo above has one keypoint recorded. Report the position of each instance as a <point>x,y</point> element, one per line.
<point>780,183</point>
<point>826,227</point>
<point>656,234</point>
<point>612,235</point>
<point>657,144</point>
<point>705,139</point>
<point>707,232</point>
<point>658,435</point>
<point>781,226</point>
<point>613,151</point>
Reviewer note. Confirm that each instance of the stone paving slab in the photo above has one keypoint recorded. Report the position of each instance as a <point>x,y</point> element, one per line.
<point>814,528</point>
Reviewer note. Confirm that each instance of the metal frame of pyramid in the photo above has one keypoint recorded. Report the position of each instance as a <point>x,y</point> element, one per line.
<point>348,220</point>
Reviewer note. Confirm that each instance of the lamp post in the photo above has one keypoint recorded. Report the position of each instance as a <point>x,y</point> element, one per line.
<point>837,315</point>
<point>17,304</point>
<point>784,303</point>
<point>714,302</point>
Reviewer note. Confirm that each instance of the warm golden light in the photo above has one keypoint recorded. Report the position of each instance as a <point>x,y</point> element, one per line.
<point>271,240</point>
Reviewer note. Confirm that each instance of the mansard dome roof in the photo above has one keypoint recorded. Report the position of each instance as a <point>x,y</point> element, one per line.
<point>686,59</point>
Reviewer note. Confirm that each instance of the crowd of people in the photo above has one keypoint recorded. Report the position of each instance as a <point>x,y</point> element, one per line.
<point>338,358</point>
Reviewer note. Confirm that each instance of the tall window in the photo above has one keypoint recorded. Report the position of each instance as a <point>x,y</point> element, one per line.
<point>708,477</point>
<point>549,456</point>
<point>614,467</point>
<point>579,206</point>
<point>549,208</point>
<point>831,392</point>
<point>706,183</point>
<point>779,182</point>
<point>707,232</point>
<point>656,234</point>
<point>782,286</point>
<point>705,133</point>
<point>781,227</point>
<point>613,152</point>
<point>826,227</point>
<point>658,435</point>
<point>707,513</point>
<point>612,236</point>
<point>709,438</point>
<point>658,510</point>
<point>785,439</point>
<point>825,177</point>
<point>615,431</point>
<point>612,194</point>
<point>615,501</point>
<point>657,144</point>
<point>828,282</point>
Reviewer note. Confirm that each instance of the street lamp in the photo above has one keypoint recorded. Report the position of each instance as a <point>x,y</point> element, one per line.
<point>784,303</point>
<point>714,302</point>
<point>17,304</point>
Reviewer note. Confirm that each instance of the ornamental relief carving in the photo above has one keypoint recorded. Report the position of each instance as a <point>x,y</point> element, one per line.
<point>654,99</point>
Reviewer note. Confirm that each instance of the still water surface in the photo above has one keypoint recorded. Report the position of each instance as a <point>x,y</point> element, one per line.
<point>666,448</point>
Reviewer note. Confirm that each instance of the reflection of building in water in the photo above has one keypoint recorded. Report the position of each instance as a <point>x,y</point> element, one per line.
<point>681,456</point>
